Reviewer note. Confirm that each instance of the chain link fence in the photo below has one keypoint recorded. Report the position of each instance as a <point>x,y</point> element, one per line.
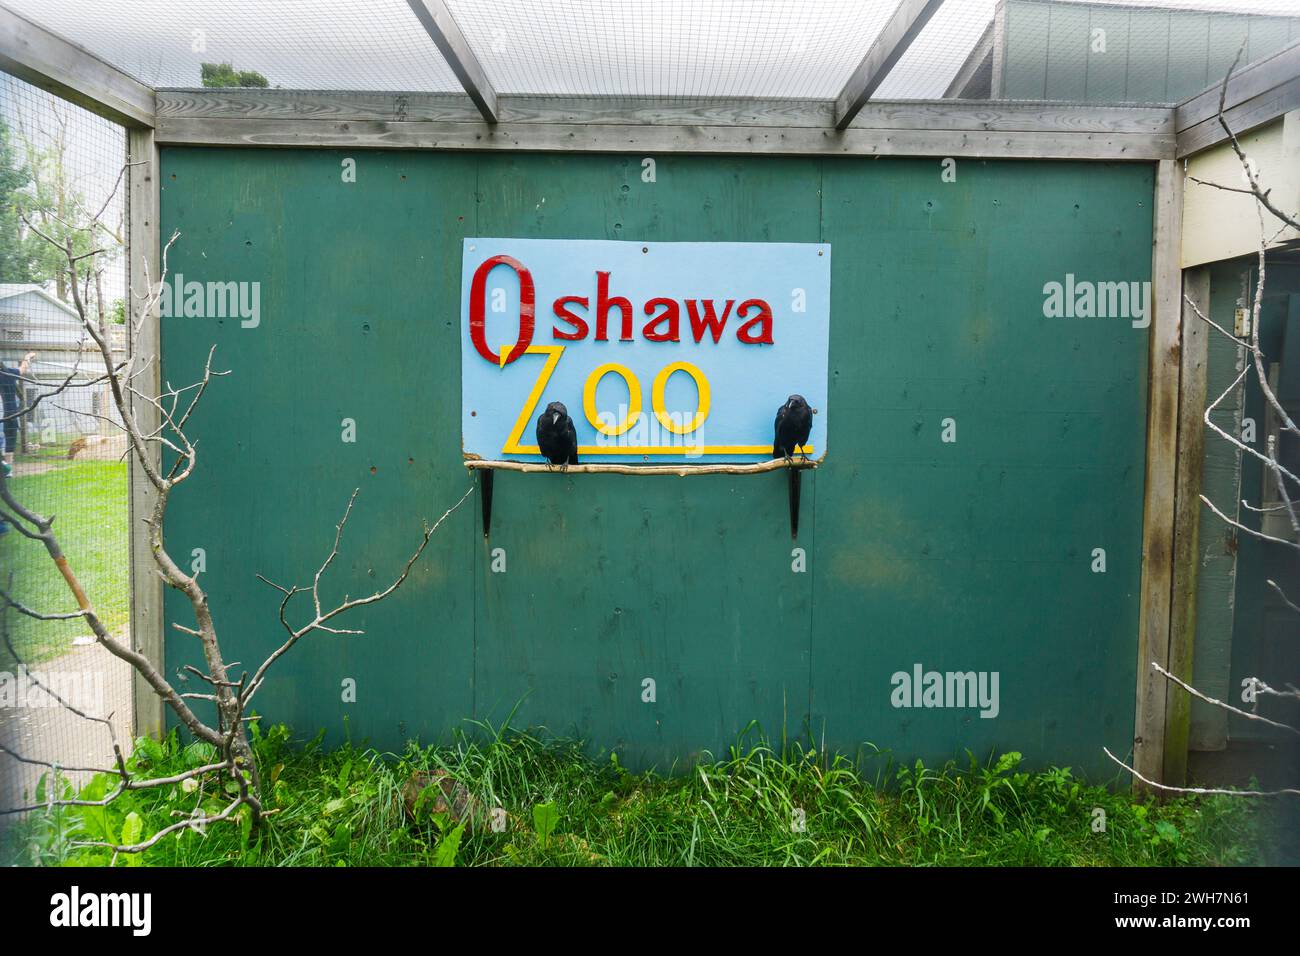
<point>64,455</point>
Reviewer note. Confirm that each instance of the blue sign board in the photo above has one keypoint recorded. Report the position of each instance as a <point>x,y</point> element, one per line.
<point>662,352</point>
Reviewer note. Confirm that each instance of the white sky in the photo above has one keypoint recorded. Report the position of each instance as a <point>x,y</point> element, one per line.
<point>96,152</point>
<point>778,48</point>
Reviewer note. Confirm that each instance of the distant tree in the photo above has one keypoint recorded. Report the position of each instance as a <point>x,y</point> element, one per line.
<point>51,202</point>
<point>18,256</point>
<point>221,75</point>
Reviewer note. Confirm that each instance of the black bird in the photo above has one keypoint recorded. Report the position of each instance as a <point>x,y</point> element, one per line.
<point>793,426</point>
<point>556,437</point>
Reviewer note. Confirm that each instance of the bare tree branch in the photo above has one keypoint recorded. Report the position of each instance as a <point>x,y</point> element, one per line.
<point>1199,790</point>
<point>296,634</point>
<point>175,407</point>
<point>1289,603</point>
<point>1228,707</point>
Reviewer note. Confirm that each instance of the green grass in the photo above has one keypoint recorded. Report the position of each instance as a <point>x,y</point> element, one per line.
<point>89,502</point>
<point>344,807</point>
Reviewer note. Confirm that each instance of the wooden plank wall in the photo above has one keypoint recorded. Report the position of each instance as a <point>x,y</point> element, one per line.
<point>974,555</point>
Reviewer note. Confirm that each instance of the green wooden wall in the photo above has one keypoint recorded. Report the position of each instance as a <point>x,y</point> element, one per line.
<point>972,555</point>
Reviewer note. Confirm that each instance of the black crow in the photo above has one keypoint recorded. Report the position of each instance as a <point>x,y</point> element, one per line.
<point>556,437</point>
<point>793,425</point>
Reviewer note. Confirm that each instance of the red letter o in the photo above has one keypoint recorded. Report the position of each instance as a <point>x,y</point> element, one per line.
<point>477,304</point>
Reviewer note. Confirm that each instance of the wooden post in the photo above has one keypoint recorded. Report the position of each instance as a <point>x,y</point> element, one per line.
<point>143,255</point>
<point>1162,451</point>
<point>1187,520</point>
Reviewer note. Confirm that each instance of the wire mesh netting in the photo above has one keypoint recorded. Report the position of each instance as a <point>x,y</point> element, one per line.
<point>292,44</point>
<point>936,56</point>
<point>64,456</point>
<point>1108,53</point>
<point>688,48</point>
<point>1092,51</point>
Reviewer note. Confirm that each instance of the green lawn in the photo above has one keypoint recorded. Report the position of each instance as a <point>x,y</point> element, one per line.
<point>89,502</point>
<point>558,806</point>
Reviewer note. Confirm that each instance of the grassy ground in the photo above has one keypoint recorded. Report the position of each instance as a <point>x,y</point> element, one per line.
<point>345,808</point>
<point>89,502</point>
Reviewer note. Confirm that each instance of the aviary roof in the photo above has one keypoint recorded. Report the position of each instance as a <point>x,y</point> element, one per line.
<point>680,48</point>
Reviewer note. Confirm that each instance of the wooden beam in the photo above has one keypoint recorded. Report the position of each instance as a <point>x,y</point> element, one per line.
<point>661,111</point>
<point>443,31</point>
<point>1187,519</point>
<point>1161,466</point>
<point>981,53</point>
<point>1242,118</point>
<point>1246,83</point>
<point>774,141</point>
<point>1257,94</point>
<point>996,81</point>
<point>144,267</point>
<point>339,105</point>
<point>895,37</point>
<point>44,59</point>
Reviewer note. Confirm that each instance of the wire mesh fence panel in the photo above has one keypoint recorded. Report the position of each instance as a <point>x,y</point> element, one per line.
<point>64,454</point>
<point>1141,52</point>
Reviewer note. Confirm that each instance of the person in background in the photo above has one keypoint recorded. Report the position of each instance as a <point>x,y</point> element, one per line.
<point>11,394</point>
<point>10,404</point>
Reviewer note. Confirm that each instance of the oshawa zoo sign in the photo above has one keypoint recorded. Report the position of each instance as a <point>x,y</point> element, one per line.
<point>660,351</point>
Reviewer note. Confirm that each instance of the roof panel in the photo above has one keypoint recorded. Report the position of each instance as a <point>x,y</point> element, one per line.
<point>696,49</point>
<point>295,44</point>
<point>690,48</point>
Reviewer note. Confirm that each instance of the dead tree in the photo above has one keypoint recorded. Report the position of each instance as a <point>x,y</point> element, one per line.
<point>1273,221</point>
<point>234,770</point>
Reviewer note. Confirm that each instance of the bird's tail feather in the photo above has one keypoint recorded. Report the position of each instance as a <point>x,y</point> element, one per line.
<point>794,503</point>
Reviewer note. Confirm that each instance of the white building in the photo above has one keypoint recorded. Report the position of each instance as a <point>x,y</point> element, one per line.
<point>34,320</point>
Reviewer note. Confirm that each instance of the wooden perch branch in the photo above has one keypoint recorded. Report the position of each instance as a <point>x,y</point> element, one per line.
<point>681,471</point>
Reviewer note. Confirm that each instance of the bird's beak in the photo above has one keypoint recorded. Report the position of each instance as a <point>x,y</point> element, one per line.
<point>555,417</point>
